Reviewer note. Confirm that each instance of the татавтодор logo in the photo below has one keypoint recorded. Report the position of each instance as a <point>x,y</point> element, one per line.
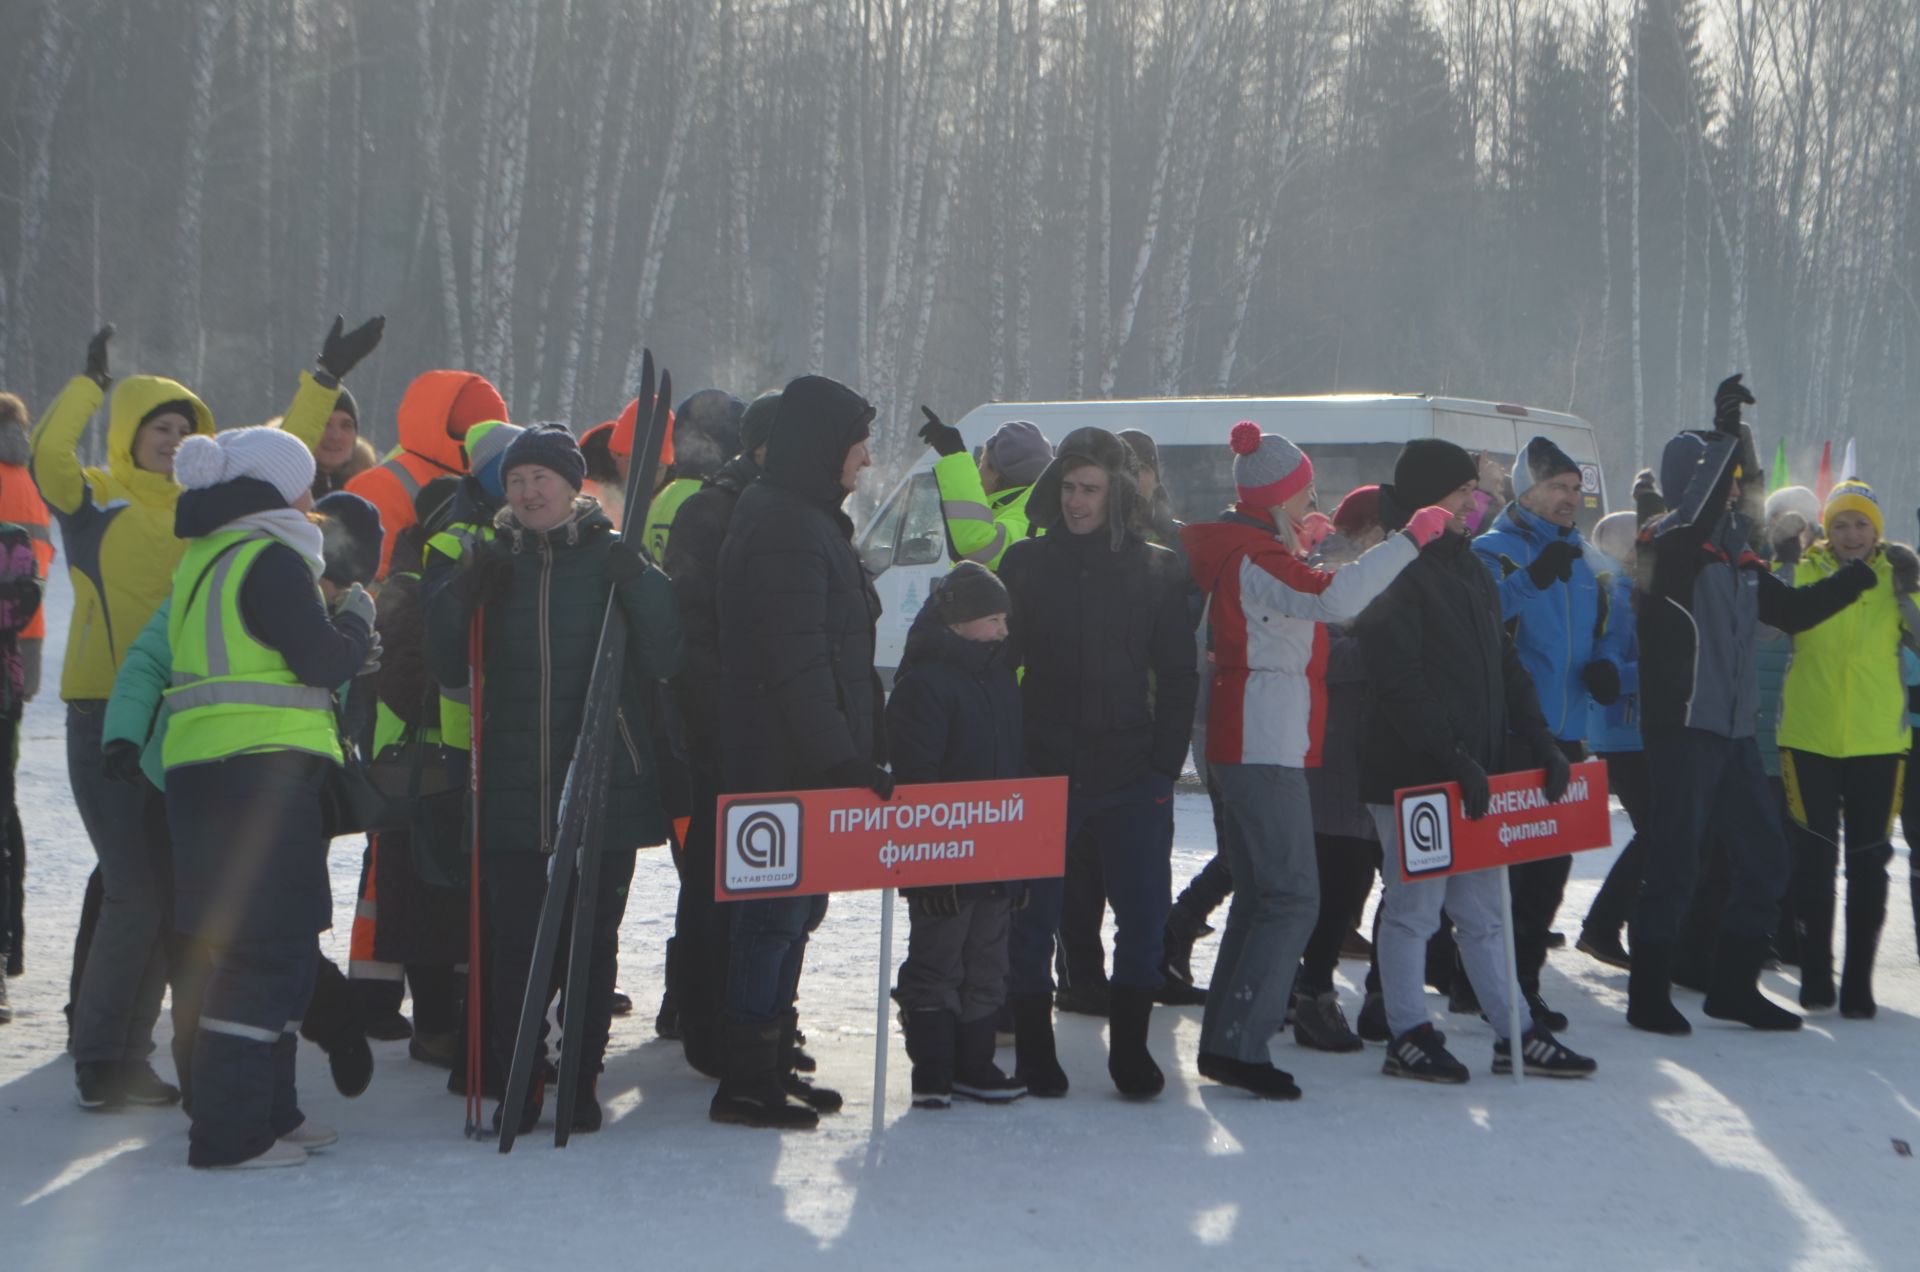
<point>1426,832</point>
<point>762,846</point>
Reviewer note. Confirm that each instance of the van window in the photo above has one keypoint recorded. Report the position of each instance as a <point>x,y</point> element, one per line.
<point>1199,479</point>
<point>909,530</point>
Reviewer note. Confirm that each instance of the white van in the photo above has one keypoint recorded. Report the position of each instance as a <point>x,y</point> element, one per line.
<point>1353,440</point>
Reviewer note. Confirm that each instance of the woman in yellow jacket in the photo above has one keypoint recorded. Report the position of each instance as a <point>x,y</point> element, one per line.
<point>116,524</point>
<point>1843,747</point>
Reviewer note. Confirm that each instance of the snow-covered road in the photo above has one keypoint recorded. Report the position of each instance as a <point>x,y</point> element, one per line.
<point>1725,1150</point>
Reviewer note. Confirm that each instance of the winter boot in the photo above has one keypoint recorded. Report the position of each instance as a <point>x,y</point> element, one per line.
<point>1184,927</point>
<point>543,1073</point>
<point>930,1045</point>
<point>1866,913</point>
<point>350,1061</point>
<point>818,1098</point>
<point>1816,954</point>
<point>1542,1057</point>
<point>666,1021</point>
<point>1461,998</point>
<point>1421,1054</point>
<point>587,1115</point>
<point>1650,992</point>
<point>96,1086</point>
<point>139,1084</point>
<point>1604,947</point>
<point>1174,993</point>
<point>436,1049</point>
<point>975,1075</point>
<point>751,1091</point>
<point>1372,1025</point>
<point>1130,1066</point>
<point>797,1049</point>
<point>1735,993</point>
<point>622,1002</point>
<point>1320,1025</point>
<point>1263,1080</point>
<point>1034,1061</point>
<point>1090,998</point>
<point>1544,1016</point>
<point>703,1042</point>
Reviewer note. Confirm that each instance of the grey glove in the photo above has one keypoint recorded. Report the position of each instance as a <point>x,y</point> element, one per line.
<point>358,602</point>
<point>374,651</point>
<point>1906,568</point>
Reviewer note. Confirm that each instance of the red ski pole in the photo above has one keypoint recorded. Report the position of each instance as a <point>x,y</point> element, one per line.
<point>476,1048</point>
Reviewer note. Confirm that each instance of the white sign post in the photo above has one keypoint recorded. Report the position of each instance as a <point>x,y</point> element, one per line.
<point>881,1025</point>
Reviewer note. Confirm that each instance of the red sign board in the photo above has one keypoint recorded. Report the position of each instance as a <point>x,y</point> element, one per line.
<point>1436,839</point>
<point>799,843</point>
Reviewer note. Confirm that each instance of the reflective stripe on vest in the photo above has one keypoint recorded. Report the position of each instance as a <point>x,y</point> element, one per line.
<point>665,507</point>
<point>408,481</point>
<point>231,694</point>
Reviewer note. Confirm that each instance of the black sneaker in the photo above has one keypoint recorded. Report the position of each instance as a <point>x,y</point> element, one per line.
<point>1544,1016</point>
<point>1421,1054</point>
<point>622,1002</point>
<point>1263,1080</point>
<point>96,1086</point>
<point>1372,1025</point>
<point>818,1098</point>
<point>1544,1057</point>
<point>1604,947</point>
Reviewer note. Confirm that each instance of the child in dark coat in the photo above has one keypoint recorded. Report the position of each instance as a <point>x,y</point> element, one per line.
<point>955,717</point>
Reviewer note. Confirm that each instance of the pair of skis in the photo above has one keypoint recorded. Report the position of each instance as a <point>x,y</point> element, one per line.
<point>575,866</point>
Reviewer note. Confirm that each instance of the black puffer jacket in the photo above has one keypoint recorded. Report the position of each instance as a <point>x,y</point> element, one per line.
<point>955,711</point>
<point>798,689</point>
<point>693,563</point>
<point>1441,673</point>
<point>541,634</point>
<point>1334,786</point>
<point>1107,639</point>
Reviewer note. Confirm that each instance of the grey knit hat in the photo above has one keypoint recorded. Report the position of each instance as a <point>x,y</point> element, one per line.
<point>971,591</point>
<point>1539,460</point>
<point>1268,469</point>
<point>1019,452</point>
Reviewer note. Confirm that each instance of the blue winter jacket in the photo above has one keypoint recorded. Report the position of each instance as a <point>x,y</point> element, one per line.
<point>1910,665</point>
<point>1560,630</point>
<point>1616,726</point>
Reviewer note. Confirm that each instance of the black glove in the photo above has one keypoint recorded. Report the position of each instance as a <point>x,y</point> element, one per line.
<point>939,902</point>
<point>1727,401</point>
<point>1859,576</point>
<point>97,357</point>
<point>1554,760</point>
<point>1474,794</point>
<point>1906,568</point>
<point>858,772</point>
<point>1647,503</point>
<point>1555,562</point>
<point>625,563</point>
<point>121,761</point>
<point>486,577</point>
<point>943,437</point>
<point>1602,680</point>
<point>343,350</point>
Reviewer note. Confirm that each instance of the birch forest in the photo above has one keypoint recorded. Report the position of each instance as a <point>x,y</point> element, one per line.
<point>1601,206</point>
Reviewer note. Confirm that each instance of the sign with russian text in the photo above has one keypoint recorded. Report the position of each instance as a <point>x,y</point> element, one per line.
<point>800,843</point>
<point>1437,839</point>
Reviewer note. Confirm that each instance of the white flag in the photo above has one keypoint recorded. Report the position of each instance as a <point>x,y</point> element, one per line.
<point>1848,470</point>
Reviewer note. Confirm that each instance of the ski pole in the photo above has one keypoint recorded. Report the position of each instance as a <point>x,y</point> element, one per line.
<point>476,649</point>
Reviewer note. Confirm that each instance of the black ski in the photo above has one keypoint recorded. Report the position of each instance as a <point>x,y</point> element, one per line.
<point>582,790</point>
<point>597,730</point>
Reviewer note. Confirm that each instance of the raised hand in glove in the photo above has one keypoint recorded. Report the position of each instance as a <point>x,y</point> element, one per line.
<point>1554,564</point>
<point>1559,772</point>
<point>943,437</point>
<point>939,902</point>
<point>1906,568</point>
<point>343,350</point>
<point>625,562</point>
<point>1602,680</point>
<point>121,761</point>
<point>1787,536</point>
<point>1474,793</point>
<point>97,357</point>
<point>1859,576</point>
<point>848,774</point>
<point>1727,401</point>
<point>357,602</point>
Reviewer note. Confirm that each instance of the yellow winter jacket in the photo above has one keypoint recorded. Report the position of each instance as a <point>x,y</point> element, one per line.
<point>1844,695</point>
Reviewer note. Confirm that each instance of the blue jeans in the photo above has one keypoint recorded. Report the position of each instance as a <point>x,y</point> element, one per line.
<point>769,943</point>
<point>1133,827</point>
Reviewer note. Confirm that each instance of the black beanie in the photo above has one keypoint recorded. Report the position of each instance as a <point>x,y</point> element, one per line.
<point>756,426</point>
<point>971,591</point>
<point>1428,470</point>
<point>345,402</point>
<point>550,446</point>
<point>352,537</point>
<point>179,406</point>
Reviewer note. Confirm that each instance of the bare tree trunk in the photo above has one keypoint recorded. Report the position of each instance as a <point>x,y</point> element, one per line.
<point>599,90</point>
<point>208,19</point>
<point>836,92</point>
<point>1639,350</point>
<point>503,227</point>
<point>1026,200</point>
<point>432,125</point>
<point>610,236</point>
<point>51,67</point>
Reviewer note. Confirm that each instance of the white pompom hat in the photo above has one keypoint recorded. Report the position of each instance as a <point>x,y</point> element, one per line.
<point>263,453</point>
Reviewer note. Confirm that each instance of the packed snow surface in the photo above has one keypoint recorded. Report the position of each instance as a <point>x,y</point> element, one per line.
<point>1728,1149</point>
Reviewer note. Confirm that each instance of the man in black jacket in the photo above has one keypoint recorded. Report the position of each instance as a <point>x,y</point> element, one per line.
<point>800,706</point>
<point>1101,622</point>
<point>1445,690</point>
<point>697,951</point>
<point>1699,698</point>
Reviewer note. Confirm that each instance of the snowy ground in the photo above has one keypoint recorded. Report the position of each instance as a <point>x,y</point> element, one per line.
<point>1726,1149</point>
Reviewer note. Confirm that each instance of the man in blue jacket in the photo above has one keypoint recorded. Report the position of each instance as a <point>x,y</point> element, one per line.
<point>1571,644</point>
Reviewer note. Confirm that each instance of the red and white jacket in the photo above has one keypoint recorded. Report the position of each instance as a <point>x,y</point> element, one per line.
<point>1266,610</point>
